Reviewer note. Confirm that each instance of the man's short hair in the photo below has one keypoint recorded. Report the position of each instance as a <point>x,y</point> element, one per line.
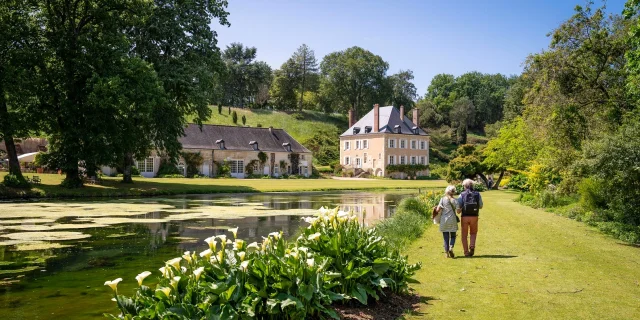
<point>467,184</point>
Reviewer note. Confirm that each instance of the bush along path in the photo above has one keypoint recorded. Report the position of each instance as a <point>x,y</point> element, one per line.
<point>529,264</point>
<point>335,260</point>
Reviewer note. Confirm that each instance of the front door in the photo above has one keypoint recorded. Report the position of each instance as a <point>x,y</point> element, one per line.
<point>237,168</point>
<point>205,169</point>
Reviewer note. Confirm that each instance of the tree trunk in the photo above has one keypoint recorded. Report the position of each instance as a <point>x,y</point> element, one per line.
<point>497,183</point>
<point>126,171</point>
<point>72,178</point>
<point>484,178</point>
<point>14,164</point>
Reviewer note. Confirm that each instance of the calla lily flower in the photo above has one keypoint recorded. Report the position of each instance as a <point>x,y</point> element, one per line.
<point>238,244</point>
<point>314,236</point>
<point>222,237</point>
<point>342,214</point>
<point>311,262</point>
<point>229,241</point>
<point>244,265</point>
<point>141,277</point>
<point>207,253</point>
<point>234,231</point>
<point>220,255</point>
<point>175,262</point>
<point>303,249</point>
<point>276,235</point>
<point>187,256</point>
<point>166,272</point>
<point>183,269</point>
<point>113,284</point>
<point>198,272</point>
<point>174,282</point>
<point>294,254</point>
<point>241,254</point>
<point>323,210</point>
<point>165,290</point>
<point>253,245</point>
<point>211,241</point>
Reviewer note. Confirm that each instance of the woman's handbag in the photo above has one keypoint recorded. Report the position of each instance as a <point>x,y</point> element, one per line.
<point>454,211</point>
<point>435,215</point>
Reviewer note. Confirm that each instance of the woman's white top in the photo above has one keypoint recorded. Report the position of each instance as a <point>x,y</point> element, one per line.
<point>448,222</point>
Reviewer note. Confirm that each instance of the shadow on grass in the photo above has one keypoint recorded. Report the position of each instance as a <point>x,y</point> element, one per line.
<point>494,256</point>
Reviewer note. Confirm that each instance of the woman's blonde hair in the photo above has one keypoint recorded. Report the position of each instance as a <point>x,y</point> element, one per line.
<point>450,191</point>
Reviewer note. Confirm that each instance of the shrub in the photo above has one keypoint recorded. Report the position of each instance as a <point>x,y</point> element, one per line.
<point>477,186</point>
<point>219,108</point>
<point>259,125</point>
<point>334,259</point>
<point>12,181</point>
<point>297,116</point>
<point>244,120</point>
<point>518,182</point>
<point>193,160</point>
<point>167,169</point>
<point>592,195</point>
<point>234,117</point>
<point>170,176</point>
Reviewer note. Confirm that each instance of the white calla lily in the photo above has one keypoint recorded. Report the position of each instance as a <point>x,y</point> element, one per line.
<point>244,265</point>
<point>223,238</point>
<point>165,290</point>
<point>238,244</point>
<point>234,231</point>
<point>187,256</point>
<point>211,241</point>
<point>140,277</point>
<point>253,245</point>
<point>314,236</point>
<point>198,272</point>
<point>175,262</point>
<point>174,282</point>
<point>113,284</point>
<point>311,262</point>
<point>166,272</point>
<point>241,254</point>
<point>207,253</point>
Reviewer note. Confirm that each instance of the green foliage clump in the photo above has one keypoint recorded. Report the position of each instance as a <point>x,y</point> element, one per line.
<point>518,182</point>
<point>244,120</point>
<point>234,117</point>
<point>334,259</point>
<point>167,169</point>
<point>409,169</point>
<point>219,108</point>
<point>592,194</point>
<point>477,186</point>
<point>325,145</point>
<point>193,160</point>
<point>12,181</point>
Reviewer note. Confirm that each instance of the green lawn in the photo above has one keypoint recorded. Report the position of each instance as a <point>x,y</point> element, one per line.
<point>298,129</point>
<point>529,264</point>
<point>112,187</point>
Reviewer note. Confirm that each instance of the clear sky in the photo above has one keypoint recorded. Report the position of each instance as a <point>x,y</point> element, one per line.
<point>426,36</point>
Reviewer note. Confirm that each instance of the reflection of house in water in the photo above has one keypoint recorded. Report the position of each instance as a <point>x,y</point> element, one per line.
<point>369,207</point>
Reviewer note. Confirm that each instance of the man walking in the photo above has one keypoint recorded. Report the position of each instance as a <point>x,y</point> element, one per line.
<point>469,204</point>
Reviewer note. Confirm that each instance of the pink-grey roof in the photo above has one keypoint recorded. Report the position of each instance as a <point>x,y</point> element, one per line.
<point>238,138</point>
<point>389,118</point>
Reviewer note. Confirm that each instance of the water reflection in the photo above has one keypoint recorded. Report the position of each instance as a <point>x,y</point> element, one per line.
<point>63,279</point>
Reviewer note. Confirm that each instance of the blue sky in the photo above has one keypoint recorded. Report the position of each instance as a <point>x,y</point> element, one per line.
<point>428,36</point>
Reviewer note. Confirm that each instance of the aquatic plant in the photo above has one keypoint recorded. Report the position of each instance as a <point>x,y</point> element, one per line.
<point>334,259</point>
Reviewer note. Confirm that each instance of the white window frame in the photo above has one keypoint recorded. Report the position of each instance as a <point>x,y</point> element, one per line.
<point>365,144</point>
<point>392,160</point>
<point>392,143</point>
<point>422,158</point>
<point>143,165</point>
<point>347,145</point>
<point>403,144</point>
<point>414,160</point>
<point>413,144</point>
<point>358,144</point>
<point>403,160</point>
<point>358,162</point>
<point>347,161</point>
<point>423,145</point>
<point>364,158</point>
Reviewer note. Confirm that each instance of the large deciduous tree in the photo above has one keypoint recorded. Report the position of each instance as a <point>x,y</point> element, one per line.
<point>19,57</point>
<point>353,78</point>
<point>403,91</point>
<point>305,60</point>
<point>244,75</point>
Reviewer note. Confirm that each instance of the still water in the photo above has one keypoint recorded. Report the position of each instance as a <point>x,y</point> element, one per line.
<point>55,256</point>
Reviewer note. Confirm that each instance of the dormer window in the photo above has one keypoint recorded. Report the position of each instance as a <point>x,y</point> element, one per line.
<point>254,144</point>
<point>220,144</point>
<point>356,130</point>
<point>397,128</point>
<point>287,146</point>
<point>367,129</point>
<point>415,130</point>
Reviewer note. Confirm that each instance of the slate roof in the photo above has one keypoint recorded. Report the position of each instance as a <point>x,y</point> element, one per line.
<point>238,138</point>
<point>389,118</point>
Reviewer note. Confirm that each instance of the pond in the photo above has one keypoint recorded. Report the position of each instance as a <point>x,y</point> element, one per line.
<point>56,256</point>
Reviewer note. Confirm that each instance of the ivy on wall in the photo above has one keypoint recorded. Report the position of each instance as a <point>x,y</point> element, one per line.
<point>409,169</point>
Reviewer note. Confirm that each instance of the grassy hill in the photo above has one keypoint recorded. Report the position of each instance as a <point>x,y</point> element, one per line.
<point>300,126</point>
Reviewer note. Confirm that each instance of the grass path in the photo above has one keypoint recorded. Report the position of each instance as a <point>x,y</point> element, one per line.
<point>529,264</point>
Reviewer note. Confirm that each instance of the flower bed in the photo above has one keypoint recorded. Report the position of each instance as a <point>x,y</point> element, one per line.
<point>335,259</point>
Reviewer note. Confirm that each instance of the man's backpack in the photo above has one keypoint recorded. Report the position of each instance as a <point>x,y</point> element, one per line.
<point>470,203</point>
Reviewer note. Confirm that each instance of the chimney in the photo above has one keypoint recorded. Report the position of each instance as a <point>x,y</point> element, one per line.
<point>376,117</point>
<point>401,113</point>
<point>415,116</point>
<point>351,122</point>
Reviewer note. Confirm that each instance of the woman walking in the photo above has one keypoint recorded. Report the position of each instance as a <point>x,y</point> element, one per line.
<point>448,219</point>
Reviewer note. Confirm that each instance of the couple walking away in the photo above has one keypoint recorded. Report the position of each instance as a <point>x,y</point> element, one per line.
<point>469,204</point>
